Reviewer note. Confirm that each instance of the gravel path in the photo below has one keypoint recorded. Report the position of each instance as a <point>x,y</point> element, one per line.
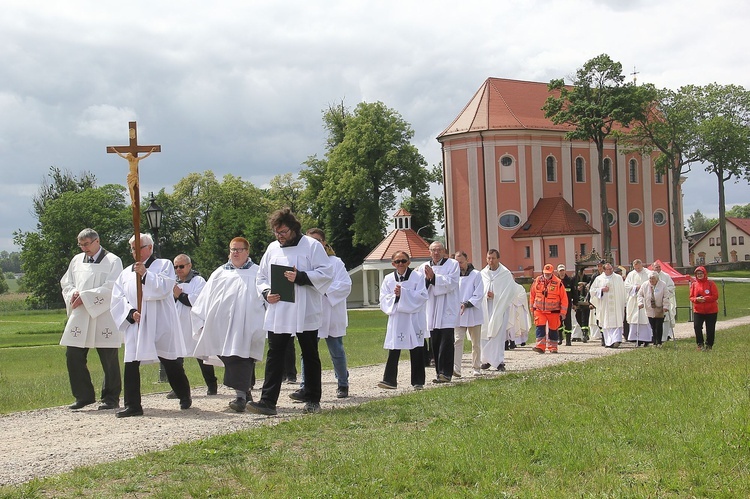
<point>50,441</point>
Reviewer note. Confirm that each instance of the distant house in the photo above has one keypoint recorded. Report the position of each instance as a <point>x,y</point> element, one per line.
<point>707,248</point>
<point>367,277</point>
<point>513,182</point>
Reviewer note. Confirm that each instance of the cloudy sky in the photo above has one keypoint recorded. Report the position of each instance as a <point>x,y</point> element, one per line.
<point>239,86</point>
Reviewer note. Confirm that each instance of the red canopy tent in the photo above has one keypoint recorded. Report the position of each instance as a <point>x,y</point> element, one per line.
<point>671,272</point>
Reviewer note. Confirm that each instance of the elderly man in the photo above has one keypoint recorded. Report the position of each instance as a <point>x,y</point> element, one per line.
<point>441,276</point>
<point>671,317</point>
<point>152,334</point>
<point>228,322</point>
<point>639,330</point>
<point>654,299</point>
<point>87,290</point>
<point>189,285</point>
<point>302,265</point>
<point>471,295</point>
<point>500,291</point>
<point>608,296</point>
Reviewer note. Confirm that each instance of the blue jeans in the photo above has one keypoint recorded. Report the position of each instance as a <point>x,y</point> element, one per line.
<point>338,357</point>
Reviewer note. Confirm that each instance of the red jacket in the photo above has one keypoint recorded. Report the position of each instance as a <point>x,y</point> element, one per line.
<point>708,290</point>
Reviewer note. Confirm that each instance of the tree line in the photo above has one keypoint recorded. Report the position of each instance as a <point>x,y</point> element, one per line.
<point>368,167</point>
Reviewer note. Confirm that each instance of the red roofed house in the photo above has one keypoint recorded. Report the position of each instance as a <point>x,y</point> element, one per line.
<point>367,277</point>
<point>707,249</point>
<point>514,183</point>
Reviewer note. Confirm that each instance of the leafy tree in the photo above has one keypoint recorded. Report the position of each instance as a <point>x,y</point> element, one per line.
<point>60,181</point>
<point>4,288</point>
<point>668,126</point>
<point>46,253</point>
<point>597,103</point>
<point>698,222</point>
<point>739,211</point>
<point>10,262</point>
<point>288,191</point>
<point>723,136</point>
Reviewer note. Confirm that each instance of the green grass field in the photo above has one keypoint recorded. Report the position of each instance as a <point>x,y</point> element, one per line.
<point>669,422</point>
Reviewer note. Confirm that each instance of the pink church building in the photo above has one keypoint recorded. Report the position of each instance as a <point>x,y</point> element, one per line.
<point>513,182</point>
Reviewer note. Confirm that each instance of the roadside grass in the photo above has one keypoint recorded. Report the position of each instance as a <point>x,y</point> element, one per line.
<point>670,422</point>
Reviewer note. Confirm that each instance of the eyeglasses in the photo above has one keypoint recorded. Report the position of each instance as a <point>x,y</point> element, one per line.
<point>144,246</point>
<point>402,261</point>
<point>237,250</point>
<point>86,245</point>
<point>181,266</point>
<point>282,233</point>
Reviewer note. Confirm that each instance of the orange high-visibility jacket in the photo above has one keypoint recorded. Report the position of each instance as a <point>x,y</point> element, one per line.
<point>549,296</point>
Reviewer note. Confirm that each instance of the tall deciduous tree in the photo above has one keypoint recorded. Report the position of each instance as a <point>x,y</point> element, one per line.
<point>668,126</point>
<point>597,103</point>
<point>45,254</point>
<point>369,162</point>
<point>739,211</point>
<point>56,183</point>
<point>723,136</point>
<point>698,222</point>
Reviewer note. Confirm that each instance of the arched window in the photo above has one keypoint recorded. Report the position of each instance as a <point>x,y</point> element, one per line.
<point>507,169</point>
<point>611,217</point>
<point>607,170</point>
<point>584,215</point>
<point>633,171</point>
<point>580,170</point>
<point>509,220</point>
<point>551,169</point>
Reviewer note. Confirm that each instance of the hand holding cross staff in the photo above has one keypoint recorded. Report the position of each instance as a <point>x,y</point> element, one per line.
<point>131,155</point>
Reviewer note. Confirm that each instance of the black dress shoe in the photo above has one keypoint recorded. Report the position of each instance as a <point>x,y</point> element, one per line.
<point>107,406</point>
<point>212,390</point>
<point>129,411</point>
<point>186,403</point>
<point>78,404</point>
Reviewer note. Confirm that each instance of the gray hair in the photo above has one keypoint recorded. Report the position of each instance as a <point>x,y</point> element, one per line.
<point>146,239</point>
<point>87,233</point>
<point>653,273</point>
<point>183,256</point>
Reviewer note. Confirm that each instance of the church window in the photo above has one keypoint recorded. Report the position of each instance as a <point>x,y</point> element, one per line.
<point>583,249</point>
<point>633,171</point>
<point>584,215</point>
<point>607,170</point>
<point>635,217</point>
<point>658,177</point>
<point>660,217</point>
<point>527,251</point>
<point>509,220</point>
<point>507,169</point>
<point>580,170</point>
<point>553,251</point>
<point>551,169</point>
<point>611,217</point>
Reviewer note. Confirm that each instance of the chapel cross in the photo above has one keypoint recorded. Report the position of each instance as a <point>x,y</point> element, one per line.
<point>130,153</point>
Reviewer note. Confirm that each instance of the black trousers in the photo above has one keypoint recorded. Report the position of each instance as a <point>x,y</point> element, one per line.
<point>290,361</point>
<point>416,356</point>
<point>175,375</point>
<point>207,371</point>
<point>80,377</point>
<point>710,321</point>
<point>442,346</point>
<point>275,361</point>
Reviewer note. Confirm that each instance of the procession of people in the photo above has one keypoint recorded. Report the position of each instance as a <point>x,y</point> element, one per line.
<point>164,311</point>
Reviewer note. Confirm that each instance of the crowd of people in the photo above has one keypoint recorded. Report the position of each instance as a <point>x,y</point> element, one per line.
<point>164,311</point>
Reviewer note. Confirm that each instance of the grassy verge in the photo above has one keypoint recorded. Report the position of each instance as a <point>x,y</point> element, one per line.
<point>646,423</point>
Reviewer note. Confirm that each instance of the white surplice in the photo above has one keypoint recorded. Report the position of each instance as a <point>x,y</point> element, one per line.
<point>228,317</point>
<point>90,325</point>
<point>639,328</point>
<point>610,306</point>
<point>159,333</point>
<point>193,289</point>
<point>443,303</point>
<point>407,322</point>
<point>496,312</point>
<point>333,315</point>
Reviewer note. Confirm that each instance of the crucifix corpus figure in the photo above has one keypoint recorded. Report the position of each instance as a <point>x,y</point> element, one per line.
<point>130,153</point>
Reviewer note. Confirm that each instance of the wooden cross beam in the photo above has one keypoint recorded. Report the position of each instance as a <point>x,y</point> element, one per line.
<point>130,153</point>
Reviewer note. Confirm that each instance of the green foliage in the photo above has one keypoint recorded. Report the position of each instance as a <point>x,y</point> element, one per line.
<point>3,284</point>
<point>698,222</point>
<point>369,163</point>
<point>45,254</point>
<point>597,103</point>
<point>10,262</point>
<point>60,182</point>
<point>739,211</point>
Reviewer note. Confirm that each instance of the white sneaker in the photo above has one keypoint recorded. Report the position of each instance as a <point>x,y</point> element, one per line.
<point>476,372</point>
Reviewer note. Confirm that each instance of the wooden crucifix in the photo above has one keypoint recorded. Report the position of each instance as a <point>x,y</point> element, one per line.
<point>130,153</point>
